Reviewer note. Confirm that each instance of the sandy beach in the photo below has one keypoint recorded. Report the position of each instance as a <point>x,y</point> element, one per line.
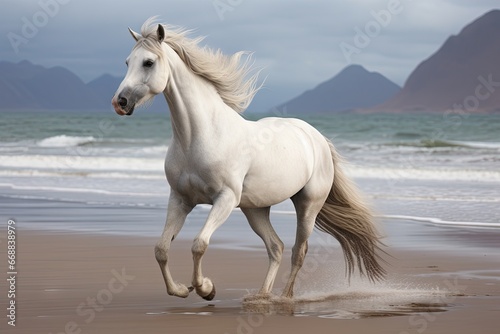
<point>88,283</point>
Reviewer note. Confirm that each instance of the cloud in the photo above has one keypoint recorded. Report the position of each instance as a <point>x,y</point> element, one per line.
<point>296,41</point>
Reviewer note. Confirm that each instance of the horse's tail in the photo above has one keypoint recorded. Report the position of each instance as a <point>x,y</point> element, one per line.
<point>350,221</point>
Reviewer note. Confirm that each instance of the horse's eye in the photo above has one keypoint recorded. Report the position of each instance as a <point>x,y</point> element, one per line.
<point>148,63</point>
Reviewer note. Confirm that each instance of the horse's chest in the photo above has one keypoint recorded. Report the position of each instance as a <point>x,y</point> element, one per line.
<point>198,183</point>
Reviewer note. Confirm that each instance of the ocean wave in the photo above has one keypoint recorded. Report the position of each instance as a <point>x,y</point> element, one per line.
<point>81,162</point>
<point>423,174</point>
<point>154,150</point>
<point>65,141</point>
<point>13,149</point>
<point>430,220</point>
<point>81,174</point>
<point>89,165</point>
<point>51,189</point>
<point>438,221</point>
<point>407,135</point>
<point>442,143</point>
<point>457,143</point>
<point>476,144</point>
<point>445,198</point>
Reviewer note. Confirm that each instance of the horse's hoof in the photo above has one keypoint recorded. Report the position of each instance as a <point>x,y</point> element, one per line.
<point>211,295</point>
<point>180,290</point>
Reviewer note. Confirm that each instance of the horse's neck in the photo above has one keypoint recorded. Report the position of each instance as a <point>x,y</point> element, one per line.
<point>197,111</point>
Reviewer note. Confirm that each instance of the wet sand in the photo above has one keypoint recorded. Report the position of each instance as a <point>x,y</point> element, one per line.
<point>84,283</point>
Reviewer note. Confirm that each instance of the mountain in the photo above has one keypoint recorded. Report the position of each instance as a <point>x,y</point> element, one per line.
<point>353,88</point>
<point>463,74</point>
<point>25,86</point>
<point>106,85</point>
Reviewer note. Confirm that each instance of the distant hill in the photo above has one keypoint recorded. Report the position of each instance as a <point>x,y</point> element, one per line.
<point>450,78</point>
<point>353,88</point>
<point>464,73</point>
<point>106,85</point>
<point>25,86</point>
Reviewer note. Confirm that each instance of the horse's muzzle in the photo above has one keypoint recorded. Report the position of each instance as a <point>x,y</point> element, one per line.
<point>121,107</point>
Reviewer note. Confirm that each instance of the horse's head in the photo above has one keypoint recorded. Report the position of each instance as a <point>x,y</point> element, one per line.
<point>147,73</point>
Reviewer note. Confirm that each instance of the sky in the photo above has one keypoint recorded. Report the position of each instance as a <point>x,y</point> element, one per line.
<point>299,44</point>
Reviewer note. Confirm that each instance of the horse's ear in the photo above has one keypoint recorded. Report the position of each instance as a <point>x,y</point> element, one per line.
<point>135,35</point>
<point>160,33</point>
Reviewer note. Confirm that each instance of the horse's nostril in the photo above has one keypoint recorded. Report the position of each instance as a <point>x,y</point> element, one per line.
<point>122,102</point>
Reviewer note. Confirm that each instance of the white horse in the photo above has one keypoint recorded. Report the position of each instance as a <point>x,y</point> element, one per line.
<point>217,157</point>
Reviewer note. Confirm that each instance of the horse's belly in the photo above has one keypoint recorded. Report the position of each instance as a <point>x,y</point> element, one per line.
<point>275,176</point>
<point>264,195</point>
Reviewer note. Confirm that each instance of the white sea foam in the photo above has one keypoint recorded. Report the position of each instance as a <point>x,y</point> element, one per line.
<point>43,162</point>
<point>159,149</point>
<point>13,149</point>
<point>81,162</point>
<point>80,190</point>
<point>430,220</point>
<point>30,173</point>
<point>65,141</point>
<point>438,221</point>
<point>475,144</point>
<point>423,174</point>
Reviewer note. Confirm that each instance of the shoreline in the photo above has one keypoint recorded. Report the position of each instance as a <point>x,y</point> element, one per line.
<point>408,232</point>
<point>92,269</point>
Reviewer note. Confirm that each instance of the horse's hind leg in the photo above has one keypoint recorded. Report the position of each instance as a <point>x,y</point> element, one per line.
<point>176,216</point>
<point>260,223</point>
<point>307,210</point>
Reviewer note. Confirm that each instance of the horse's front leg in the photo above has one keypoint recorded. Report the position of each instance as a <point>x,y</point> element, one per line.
<point>176,216</point>
<point>221,209</point>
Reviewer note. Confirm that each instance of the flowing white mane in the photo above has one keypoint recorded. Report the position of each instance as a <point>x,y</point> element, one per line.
<point>227,73</point>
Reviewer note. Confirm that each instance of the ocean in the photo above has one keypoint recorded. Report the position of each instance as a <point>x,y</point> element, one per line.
<point>440,169</point>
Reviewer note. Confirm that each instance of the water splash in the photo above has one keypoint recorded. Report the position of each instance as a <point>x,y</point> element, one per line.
<point>330,296</point>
